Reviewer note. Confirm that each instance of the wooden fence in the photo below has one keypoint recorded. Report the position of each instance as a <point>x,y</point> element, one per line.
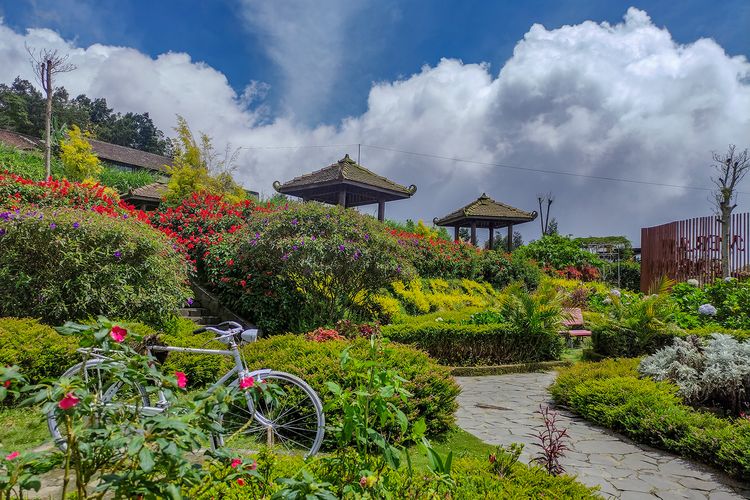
<point>692,249</point>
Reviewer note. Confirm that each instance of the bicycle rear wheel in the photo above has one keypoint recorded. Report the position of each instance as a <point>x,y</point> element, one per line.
<point>107,390</point>
<point>292,421</point>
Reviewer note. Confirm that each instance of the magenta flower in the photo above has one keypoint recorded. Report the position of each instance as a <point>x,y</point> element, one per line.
<point>68,402</point>
<point>181,379</point>
<point>246,382</point>
<point>236,463</point>
<point>12,456</point>
<point>118,334</point>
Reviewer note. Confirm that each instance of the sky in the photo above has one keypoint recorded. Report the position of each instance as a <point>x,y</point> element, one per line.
<point>541,96</point>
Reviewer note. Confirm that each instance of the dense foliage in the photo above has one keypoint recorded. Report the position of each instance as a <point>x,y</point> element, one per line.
<point>64,263</point>
<point>562,256</point>
<point>730,298</point>
<point>22,109</point>
<point>304,267</point>
<point>78,158</point>
<point>712,372</point>
<point>610,393</point>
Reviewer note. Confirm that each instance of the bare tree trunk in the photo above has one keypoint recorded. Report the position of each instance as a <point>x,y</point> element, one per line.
<point>726,227</point>
<point>48,121</point>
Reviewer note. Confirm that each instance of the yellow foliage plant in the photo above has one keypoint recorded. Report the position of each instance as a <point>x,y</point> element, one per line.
<point>78,158</point>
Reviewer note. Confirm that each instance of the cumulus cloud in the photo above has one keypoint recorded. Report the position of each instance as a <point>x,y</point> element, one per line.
<point>622,100</point>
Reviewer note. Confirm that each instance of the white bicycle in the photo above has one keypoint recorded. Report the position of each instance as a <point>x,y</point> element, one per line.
<point>293,419</point>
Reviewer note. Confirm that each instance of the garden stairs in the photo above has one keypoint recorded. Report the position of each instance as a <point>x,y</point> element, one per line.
<point>198,314</point>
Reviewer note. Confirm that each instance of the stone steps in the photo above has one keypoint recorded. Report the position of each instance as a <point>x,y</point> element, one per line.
<point>199,315</point>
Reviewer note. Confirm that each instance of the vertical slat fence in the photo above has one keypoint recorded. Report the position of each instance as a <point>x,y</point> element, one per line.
<point>691,248</point>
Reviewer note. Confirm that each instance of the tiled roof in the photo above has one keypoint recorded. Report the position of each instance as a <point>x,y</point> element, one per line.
<point>485,207</point>
<point>129,156</point>
<point>344,170</point>
<point>152,191</point>
<point>20,141</point>
<point>104,150</point>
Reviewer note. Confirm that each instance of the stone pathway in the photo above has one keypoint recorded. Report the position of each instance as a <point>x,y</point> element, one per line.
<point>501,410</point>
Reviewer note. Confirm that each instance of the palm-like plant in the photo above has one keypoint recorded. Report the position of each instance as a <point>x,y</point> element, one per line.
<point>535,313</point>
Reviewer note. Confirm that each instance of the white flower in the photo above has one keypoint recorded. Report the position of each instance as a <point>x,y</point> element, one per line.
<point>693,282</point>
<point>615,292</point>
<point>438,319</point>
<point>607,300</point>
<point>728,279</point>
<point>707,310</point>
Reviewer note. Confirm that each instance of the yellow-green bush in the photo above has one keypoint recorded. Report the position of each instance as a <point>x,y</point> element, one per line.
<point>422,296</point>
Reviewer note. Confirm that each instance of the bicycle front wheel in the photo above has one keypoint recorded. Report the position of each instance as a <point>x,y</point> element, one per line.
<point>292,421</point>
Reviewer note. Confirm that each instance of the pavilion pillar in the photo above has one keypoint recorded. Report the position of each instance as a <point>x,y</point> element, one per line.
<point>455,233</point>
<point>492,236</point>
<point>381,210</point>
<point>474,233</point>
<point>342,198</point>
<point>510,238</point>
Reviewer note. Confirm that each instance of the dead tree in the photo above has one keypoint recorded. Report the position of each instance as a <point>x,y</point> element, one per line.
<point>544,218</point>
<point>47,63</point>
<point>731,168</point>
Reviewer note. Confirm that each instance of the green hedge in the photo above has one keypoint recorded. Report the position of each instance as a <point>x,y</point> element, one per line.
<point>37,349</point>
<point>61,264</point>
<point>611,394</point>
<point>467,345</point>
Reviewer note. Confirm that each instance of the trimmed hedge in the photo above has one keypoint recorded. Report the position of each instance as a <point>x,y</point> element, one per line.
<point>37,349</point>
<point>467,345</point>
<point>611,394</point>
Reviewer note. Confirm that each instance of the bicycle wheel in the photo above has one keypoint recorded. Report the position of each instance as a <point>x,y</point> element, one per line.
<point>293,421</point>
<point>108,390</point>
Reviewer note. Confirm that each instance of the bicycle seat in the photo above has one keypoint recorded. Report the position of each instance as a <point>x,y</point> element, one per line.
<point>230,330</point>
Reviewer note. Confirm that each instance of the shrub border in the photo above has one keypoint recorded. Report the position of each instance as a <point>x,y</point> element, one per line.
<point>483,371</point>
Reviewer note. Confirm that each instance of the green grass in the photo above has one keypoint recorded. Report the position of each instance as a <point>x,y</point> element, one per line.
<point>22,429</point>
<point>30,164</point>
<point>572,355</point>
<point>457,440</point>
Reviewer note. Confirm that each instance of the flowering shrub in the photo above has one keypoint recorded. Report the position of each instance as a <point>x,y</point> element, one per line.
<point>562,256</point>
<point>323,335</point>
<point>202,219</point>
<point>721,303</point>
<point>66,263</point>
<point>304,267</point>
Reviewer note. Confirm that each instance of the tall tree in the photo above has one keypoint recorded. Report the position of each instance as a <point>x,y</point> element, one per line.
<point>731,167</point>
<point>47,63</point>
<point>545,201</point>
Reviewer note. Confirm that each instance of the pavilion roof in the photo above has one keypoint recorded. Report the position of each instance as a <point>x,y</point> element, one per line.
<point>485,210</point>
<point>345,172</point>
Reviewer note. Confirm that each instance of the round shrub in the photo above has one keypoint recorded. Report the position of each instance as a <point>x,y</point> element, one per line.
<point>433,389</point>
<point>38,350</point>
<point>307,266</point>
<point>501,269</point>
<point>74,264</point>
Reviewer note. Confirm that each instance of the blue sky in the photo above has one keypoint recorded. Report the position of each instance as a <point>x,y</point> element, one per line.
<point>640,90</point>
<point>386,41</point>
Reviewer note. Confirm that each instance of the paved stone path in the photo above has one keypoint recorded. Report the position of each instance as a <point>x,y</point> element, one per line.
<point>501,410</point>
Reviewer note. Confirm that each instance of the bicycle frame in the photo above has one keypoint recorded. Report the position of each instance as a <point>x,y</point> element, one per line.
<point>239,370</point>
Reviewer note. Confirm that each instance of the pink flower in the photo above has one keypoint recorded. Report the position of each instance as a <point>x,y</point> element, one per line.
<point>181,379</point>
<point>246,382</point>
<point>12,456</point>
<point>240,481</point>
<point>236,463</point>
<point>68,402</point>
<point>363,482</point>
<point>254,465</point>
<point>118,334</point>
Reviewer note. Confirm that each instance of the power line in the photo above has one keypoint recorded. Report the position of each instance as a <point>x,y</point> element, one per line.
<point>304,146</point>
<point>541,170</point>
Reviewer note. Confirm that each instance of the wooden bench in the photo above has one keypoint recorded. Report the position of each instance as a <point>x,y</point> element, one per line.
<point>573,321</point>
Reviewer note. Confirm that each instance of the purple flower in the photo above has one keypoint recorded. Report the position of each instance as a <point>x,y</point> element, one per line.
<point>367,236</point>
<point>124,216</point>
<point>356,255</point>
<point>398,269</point>
<point>2,231</point>
<point>190,301</point>
<point>294,222</point>
<point>294,248</point>
<point>76,225</point>
<point>285,256</point>
<point>118,254</point>
<point>342,248</point>
<point>5,215</point>
<point>313,237</point>
<point>53,226</point>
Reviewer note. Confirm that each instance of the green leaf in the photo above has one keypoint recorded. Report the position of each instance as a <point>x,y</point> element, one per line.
<point>146,459</point>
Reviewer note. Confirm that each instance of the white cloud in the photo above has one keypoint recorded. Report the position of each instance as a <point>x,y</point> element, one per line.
<point>619,100</point>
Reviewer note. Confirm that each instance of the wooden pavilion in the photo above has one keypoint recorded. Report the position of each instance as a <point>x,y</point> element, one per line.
<point>348,184</point>
<point>484,212</point>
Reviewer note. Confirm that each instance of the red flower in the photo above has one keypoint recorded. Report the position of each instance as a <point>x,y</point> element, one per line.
<point>68,402</point>
<point>118,334</point>
<point>240,481</point>
<point>236,463</point>
<point>181,379</point>
<point>12,456</point>
<point>254,465</point>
